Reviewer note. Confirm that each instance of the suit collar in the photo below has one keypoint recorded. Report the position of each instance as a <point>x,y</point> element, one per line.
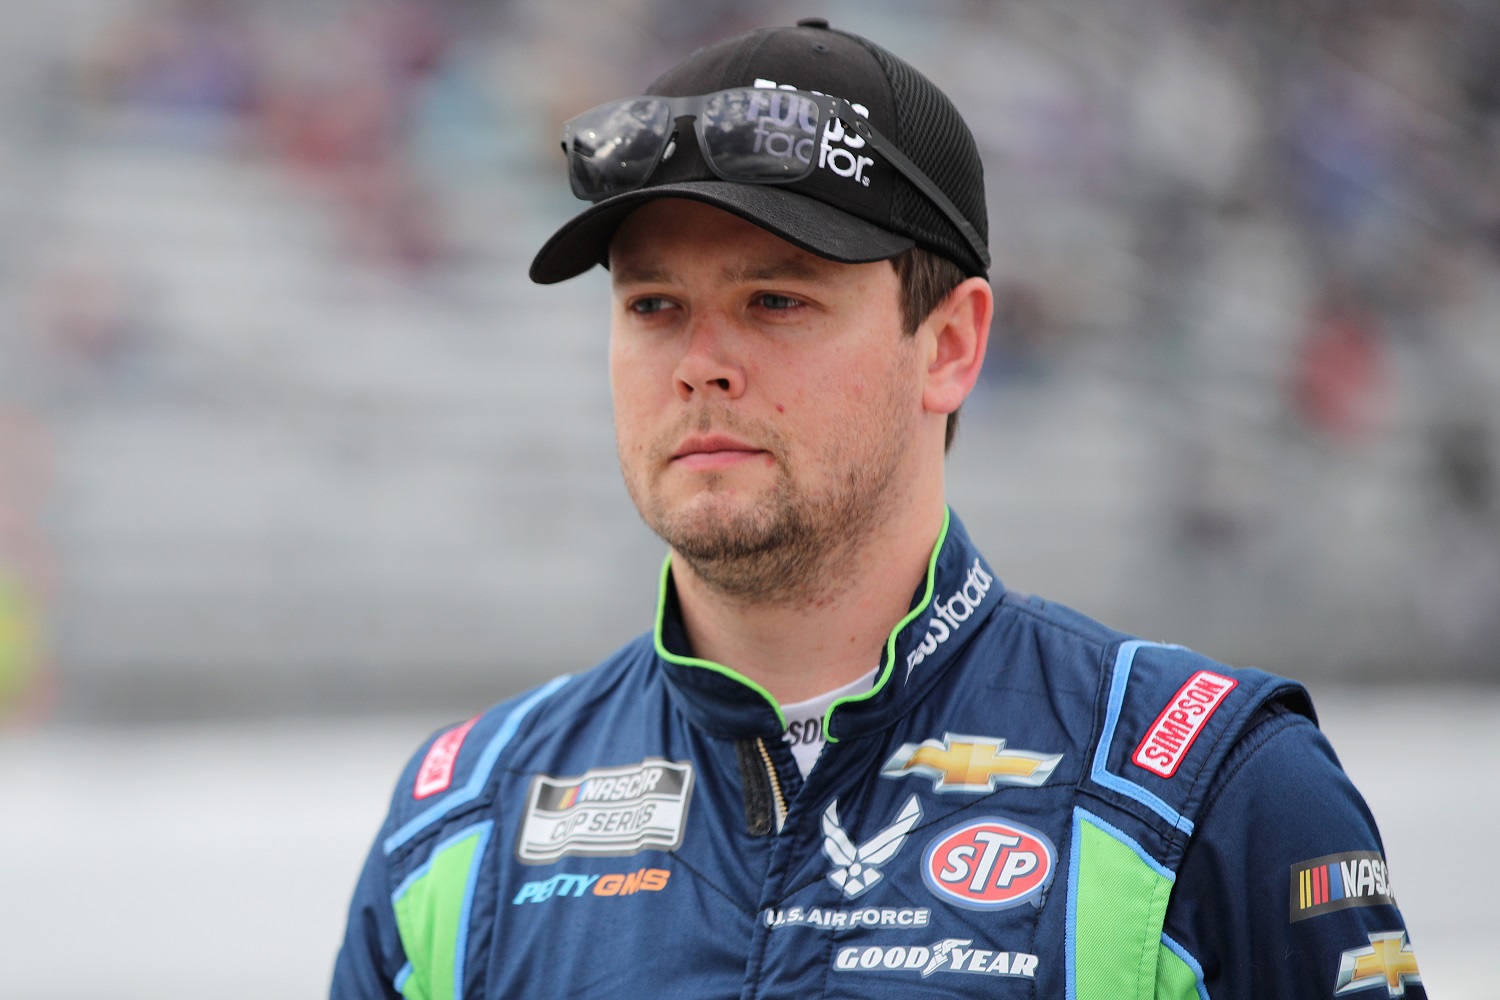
<point>956,595</point>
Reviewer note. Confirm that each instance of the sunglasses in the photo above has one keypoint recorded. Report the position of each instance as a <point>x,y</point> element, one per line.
<point>747,135</point>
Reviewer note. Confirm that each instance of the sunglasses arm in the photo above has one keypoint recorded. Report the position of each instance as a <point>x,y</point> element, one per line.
<point>914,174</point>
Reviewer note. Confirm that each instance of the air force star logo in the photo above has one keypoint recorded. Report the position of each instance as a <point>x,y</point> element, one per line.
<point>855,869</point>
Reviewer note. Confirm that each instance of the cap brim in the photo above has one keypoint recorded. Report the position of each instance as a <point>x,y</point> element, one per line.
<point>815,226</point>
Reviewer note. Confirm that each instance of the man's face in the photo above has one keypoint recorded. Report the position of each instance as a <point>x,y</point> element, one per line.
<point>767,404</point>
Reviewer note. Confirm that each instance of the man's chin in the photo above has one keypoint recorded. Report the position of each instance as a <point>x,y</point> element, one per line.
<point>719,526</point>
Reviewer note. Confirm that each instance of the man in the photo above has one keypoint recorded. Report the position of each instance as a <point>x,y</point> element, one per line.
<point>845,761</point>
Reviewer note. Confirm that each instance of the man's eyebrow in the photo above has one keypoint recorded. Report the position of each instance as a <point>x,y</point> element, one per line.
<point>799,267</point>
<point>638,273</point>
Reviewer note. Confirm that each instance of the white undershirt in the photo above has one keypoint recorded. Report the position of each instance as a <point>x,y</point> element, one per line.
<point>804,720</point>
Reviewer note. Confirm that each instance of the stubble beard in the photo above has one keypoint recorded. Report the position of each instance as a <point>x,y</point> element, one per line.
<point>788,546</point>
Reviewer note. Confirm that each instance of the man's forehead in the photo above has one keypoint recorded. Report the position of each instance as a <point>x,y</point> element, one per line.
<point>664,235</point>
<point>654,269</point>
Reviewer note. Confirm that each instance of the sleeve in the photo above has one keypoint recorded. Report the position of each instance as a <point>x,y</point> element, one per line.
<point>372,963</point>
<point>1283,890</point>
<point>371,957</point>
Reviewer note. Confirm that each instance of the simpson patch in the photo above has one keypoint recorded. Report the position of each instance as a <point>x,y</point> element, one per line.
<point>1171,736</point>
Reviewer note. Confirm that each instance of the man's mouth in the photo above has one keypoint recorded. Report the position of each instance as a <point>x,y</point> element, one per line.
<point>713,451</point>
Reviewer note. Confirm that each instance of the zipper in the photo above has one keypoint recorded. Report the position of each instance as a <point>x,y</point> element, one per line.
<point>780,799</point>
<point>765,802</point>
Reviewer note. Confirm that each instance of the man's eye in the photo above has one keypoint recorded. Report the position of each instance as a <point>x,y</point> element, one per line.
<point>649,305</point>
<point>771,300</point>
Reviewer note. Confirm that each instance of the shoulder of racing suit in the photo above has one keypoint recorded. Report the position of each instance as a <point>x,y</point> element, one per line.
<point>453,774</point>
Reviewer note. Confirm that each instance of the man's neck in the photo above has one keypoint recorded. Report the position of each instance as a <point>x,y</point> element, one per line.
<point>797,650</point>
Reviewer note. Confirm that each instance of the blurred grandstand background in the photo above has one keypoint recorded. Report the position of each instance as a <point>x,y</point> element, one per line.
<point>285,431</point>
<point>284,427</point>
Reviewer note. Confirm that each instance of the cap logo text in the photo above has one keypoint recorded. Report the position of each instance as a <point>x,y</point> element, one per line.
<point>773,133</point>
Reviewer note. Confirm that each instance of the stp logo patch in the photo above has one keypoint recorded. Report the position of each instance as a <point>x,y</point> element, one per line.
<point>989,864</point>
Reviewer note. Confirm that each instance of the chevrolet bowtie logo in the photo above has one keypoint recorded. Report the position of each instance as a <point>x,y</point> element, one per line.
<point>970,764</point>
<point>1388,961</point>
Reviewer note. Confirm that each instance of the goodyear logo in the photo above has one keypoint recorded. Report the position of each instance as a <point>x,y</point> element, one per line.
<point>1338,882</point>
<point>1388,961</point>
<point>949,955</point>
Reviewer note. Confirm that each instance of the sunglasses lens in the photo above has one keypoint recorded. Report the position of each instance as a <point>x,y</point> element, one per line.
<point>756,134</point>
<point>614,147</point>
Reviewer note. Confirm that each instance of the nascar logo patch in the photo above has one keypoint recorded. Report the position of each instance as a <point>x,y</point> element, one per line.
<point>606,811</point>
<point>1338,882</point>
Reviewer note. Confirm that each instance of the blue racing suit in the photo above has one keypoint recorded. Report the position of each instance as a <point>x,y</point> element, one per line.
<point>1026,804</point>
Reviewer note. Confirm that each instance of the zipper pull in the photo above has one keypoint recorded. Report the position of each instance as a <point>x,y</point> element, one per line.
<point>765,807</point>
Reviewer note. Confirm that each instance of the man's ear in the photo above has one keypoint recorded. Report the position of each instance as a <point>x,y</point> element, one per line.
<point>955,336</point>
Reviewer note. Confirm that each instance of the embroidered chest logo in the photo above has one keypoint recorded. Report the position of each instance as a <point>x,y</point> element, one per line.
<point>856,869</point>
<point>566,884</point>
<point>606,811</point>
<point>1171,736</point>
<point>989,864</point>
<point>970,764</point>
<point>436,772</point>
<point>948,955</point>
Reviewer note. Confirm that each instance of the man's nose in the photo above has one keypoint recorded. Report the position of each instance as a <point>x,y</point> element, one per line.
<point>708,365</point>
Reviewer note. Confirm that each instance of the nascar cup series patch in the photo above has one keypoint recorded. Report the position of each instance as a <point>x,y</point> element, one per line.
<point>989,864</point>
<point>606,811</point>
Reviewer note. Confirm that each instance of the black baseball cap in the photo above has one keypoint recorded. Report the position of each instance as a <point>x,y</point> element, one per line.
<point>846,211</point>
